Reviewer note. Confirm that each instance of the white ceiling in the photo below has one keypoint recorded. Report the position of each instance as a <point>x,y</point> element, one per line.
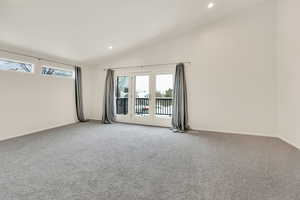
<point>82,30</point>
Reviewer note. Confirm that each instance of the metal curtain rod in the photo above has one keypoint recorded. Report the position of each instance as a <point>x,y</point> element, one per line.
<point>152,65</point>
<point>38,58</point>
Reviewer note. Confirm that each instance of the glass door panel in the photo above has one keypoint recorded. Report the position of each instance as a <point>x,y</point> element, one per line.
<point>142,95</point>
<point>122,91</point>
<point>163,95</point>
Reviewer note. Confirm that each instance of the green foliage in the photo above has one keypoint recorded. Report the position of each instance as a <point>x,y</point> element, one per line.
<point>167,93</point>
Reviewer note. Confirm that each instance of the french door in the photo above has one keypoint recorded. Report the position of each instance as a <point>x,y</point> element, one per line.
<point>144,97</point>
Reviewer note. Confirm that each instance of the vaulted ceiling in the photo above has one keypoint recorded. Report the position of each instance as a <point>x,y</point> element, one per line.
<point>81,30</point>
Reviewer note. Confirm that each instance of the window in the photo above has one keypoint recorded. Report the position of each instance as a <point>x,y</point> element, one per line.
<point>51,71</point>
<point>10,65</point>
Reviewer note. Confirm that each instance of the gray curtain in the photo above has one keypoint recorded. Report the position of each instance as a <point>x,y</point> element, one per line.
<point>179,116</point>
<point>108,106</point>
<point>78,95</point>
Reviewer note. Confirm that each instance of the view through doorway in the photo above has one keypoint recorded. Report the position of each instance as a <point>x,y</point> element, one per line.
<point>144,97</point>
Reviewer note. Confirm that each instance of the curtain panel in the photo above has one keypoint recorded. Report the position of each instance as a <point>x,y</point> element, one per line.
<point>78,95</point>
<point>179,115</point>
<point>108,105</point>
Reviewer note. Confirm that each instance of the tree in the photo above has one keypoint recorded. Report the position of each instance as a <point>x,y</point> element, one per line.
<point>48,71</point>
<point>26,67</point>
<point>122,86</point>
<point>169,93</point>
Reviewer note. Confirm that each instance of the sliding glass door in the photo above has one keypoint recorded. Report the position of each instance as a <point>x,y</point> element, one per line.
<point>144,97</point>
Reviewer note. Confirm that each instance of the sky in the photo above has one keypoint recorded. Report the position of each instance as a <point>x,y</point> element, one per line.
<point>163,83</point>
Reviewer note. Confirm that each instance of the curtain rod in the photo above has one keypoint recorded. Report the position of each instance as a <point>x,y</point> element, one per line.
<point>152,65</point>
<point>38,58</point>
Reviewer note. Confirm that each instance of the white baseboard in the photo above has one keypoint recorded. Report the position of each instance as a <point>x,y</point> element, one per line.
<point>297,146</point>
<point>37,131</point>
<point>234,132</point>
<point>191,129</point>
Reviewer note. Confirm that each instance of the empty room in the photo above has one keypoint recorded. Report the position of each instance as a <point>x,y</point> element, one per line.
<point>149,100</point>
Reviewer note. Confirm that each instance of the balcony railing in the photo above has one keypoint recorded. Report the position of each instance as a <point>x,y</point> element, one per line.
<point>141,106</point>
<point>163,106</point>
<point>122,106</point>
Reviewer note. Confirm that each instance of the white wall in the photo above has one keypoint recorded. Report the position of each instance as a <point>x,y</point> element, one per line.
<point>233,82</point>
<point>289,71</point>
<point>32,102</point>
<point>87,91</point>
<point>232,79</point>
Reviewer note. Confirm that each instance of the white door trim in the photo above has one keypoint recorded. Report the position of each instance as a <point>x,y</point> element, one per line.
<point>150,119</point>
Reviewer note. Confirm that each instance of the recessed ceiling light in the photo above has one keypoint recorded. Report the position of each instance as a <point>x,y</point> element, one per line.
<point>210,5</point>
<point>110,47</point>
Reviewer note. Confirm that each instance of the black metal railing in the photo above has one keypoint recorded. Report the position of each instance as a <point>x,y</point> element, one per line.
<point>122,106</point>
<point>163,106</point>
<point>142,106</point>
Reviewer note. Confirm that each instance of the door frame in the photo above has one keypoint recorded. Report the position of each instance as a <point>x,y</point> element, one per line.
<point>144,119</point>
<point>152,119</point>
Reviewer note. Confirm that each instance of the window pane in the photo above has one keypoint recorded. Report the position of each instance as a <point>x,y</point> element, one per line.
<point>122,95</point>
<point>142,95</point>
<point>10,65</point>
<point>56,72</point>
<point>164,94</point>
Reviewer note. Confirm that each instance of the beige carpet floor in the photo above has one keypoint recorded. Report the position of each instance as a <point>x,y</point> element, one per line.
<point>91,161</point>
